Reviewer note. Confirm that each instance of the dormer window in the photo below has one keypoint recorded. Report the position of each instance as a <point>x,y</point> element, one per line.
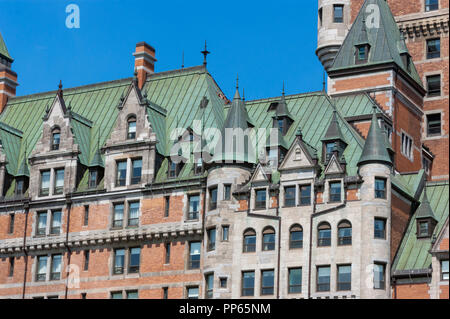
<point>21,186</point>
<point>329,147</point>
<point>56,138</point>
<point>174,169</point>
<point>362,54</point>
<point>93,178</point>
<point>198,167</point>
<point>424,228</point>
<point>283,123</point>
<point>131,132</point>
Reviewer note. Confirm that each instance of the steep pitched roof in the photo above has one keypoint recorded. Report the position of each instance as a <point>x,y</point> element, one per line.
<point>385,41</point>
<point>334,130</point>
<point>4,50</point>
<point>425,210</point>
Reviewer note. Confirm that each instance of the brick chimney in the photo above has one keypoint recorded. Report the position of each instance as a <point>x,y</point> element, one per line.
<point>8,78</point>
<point>144,62</point>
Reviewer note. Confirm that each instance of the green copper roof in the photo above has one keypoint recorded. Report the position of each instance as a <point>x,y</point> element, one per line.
<point>414,253</point>
<point>4,50</point>
<point>375,146</point>
<point>384,40</point>
<point>425,210</point>
<point>334,131</point>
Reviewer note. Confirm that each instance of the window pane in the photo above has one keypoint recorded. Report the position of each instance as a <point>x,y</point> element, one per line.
<point>59,178</point>
<point>289,196</point>
<point>248,283</point>
<point>42,268</point>
<point>335,192</point>
<point>56,222</point>
<point>323,278</point>
<point>56,267</point>
<point>267,282</point>
<point>118,215</point>
<point>225,230</point>
<point>434,85</point>
<point>194,255</point>
<point>213,198</point>
<point>380,228</point>
<point>194,205</point>
<point>137,171</point>
<point>135,257</point>
<point>338,13</point>
<point>380,188</point>
<point>193,293</point>
<point>121,173</point>
<point>132,295</point>
<point>227,190</point>
<point>269,242</point>
<point>305,195</point>
<point>260,199</point>
<point>212,239</point>
<point>249,243</point>
<point>378,276</point>
<point>344,277</point>
<point>119,261</point>
<point>116,295</point>
<point>345,236</point>
<point>133,218</point>
<point>431,5</point>
<point>433,48</point>
<point>45,180</point>
<point>295,280</point>
<point>444,269</point>
<point>42,223</point>
<point>434,124</point>
<point>296,239</point>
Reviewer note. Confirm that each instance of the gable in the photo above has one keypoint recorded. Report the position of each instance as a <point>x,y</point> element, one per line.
<point>333,166</point>
<point>297,157</point>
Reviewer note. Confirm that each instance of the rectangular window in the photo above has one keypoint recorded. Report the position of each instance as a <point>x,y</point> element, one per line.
<point>198,168</point>
<point>209,279</point>
<point>59,181</point>
<point>119,261</point>
<point>434,124</point>
<point>86,260</point>
<point>426,164</point>
<point>173,169</point>
<point>407,146</point>
<point>323,278</point>
<point>11,267</point>
<point>93,174</point>
<point>211,239</point>
<point>380,187</point>
<point>329,147</point>
<point>289,196</point>
<point>249,242</point>
<point>167,255</point>
<point>56,223</point>
<point>344,278</point>
<point>335,192</point>
<point>136,170</point>
<point>225,233</point>
<point>431,5</point>
<point>380,228</point>
<point>260,201</point>
<point>379,276</point>
<point>305,195</point>
<point>56,267</point>
<point>165,293</point>
<point>121,173</point>
<point>194,205</point>
<point>133,214</point>
<point>86,215</point>
<point>194,255</point>
<point>227,192</point>
<point>434,85</point>
<point>192,293</point>
<point>116,295</point>
<point>338,13</point>
<point>135,260</point>
<point>45,183</point>
<point>213,198</point>
<point>20,186</point>
<point>166,206</point>
<point>424,229</point>
<point>267,282</point>
<point>11,223</point>
<point>41,273</point>
<point>248,283</point>
<point>41,229</point>
<point>132,294</point>
<point>118,215</point>
<point>295,281</point>
<point>444,270</point>
<point>433,48</point>
<point>223,282</point>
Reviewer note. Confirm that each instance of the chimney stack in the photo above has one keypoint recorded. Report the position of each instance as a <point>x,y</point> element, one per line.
<point>8,78</point>
<point>144,62</point>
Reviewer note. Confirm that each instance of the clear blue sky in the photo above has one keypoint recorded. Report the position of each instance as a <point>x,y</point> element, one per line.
<point>266,42</point>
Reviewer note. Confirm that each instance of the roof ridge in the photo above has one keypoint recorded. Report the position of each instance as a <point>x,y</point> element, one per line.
<point>291,96</point>
<point>11,129</point>
<point>180,72</point>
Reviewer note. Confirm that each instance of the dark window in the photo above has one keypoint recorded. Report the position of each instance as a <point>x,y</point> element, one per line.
<point>56,139</point>
<point>211,239</point>
<point>379,279</point>
<point>338,13</point>
<point>86,260</point>
<point>227,192</point>
<point>223,282</point>
<point>93,175</point>
<point>323,278</point>
<point>362,54</point>
<point>320,17</point>
<point>344,281</point>
<point>434,124</point>
<point>329,147</point>
<point>213,198</point>
<point>344,233</point>
<point>11,267</point>
<point>56,223</point>
<point>59,181</point>
<point>20,186</point>
<point>133,214</point>
<point>305,195</point>
<point>194,255</point>
<point>209,279</point>
<point>45,183</point>
<point>225,233</point>
<point>260,202</point>
<point>194,205</point>
<point>434,85</point>
<point>433,48</point>
<point>444,270</point>
<point>192,293</point>
<point>281,126</point>
<point>86,215</point>
<point>380,187</point>
<point>198,167</point>
<point>135,260</point>
<point>335,192</point>
<point>118,215</point>
<point>41,273</point>
<point>56,267</point>
<point>116,295</point>
<point>119,261</point>
<point>324,235</point>
<point>424,228</point>
<point>248,283</point>
<point>296,237</point>
<point>249,241</point>
<point>289,196</point>
<point>267,282</point>
<point>165,293</point>
<point>83,295</point>
<point>173,169</point>
<point>131,131</point>
<point>380,228</point>
<point>121,173</point>
<point>166,206</point>
<point>431,5</point>
<point>136,171</point>
<point>295,281</point>
<point>41,228</point>
<point>167,256</point>
<point>11,223</point>
<point>132,294</point>
<point>269,239</point>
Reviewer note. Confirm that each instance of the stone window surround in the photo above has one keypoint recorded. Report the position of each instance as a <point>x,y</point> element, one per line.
<point>297,184</point>
<point>253,197</point>
<point>126,212</point>
<point>261,271</point>
<point>52,181</point>
<point>387,189</point>
<point>425,49</point>
<point>209,273</point>
<point>34,270</point>
<point>386,270</point>
<point>327,190</point>
<point>188,254</point>
<point>128,176</point>
<point>49,222</point>
<point>124,292</point>
<point>187,196</point>
<point>425,136</point>
<point>126,261</point>
<point>427,98</point>
<point>385,227</point>
<point>186,290</point>
<point>412,146</point>
<point>221,232</point>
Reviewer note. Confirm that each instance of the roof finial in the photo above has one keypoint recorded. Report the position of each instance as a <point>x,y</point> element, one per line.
<point>205,53</point>
<point>324,83</point>
<point>60,91</point>
<point>237,81</point>
<point>236,95</point>
<point>182,60</point>
<point>283,89</point>
<point>243,94</point>
<point>60,85</point>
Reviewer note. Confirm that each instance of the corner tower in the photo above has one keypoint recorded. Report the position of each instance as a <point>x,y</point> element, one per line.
<point>8,78</point>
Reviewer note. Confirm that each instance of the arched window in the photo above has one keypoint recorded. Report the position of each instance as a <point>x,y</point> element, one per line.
<point>131,131</point>
<point>324,235</point>
<point>296,237</point>
<point>344,233</point>
<point>249,241</point>
<point>268,239</point>
<point>56,138</point>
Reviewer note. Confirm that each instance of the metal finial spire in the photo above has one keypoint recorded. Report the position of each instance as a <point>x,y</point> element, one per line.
<point>205,53</point>
<point>60,85</point>
<point>283,89</point>
<point>182,61</point>
<point>323,82</point>
<point>243,94</point>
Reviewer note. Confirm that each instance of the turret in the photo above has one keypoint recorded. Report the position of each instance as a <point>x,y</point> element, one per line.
<point>8,78</point>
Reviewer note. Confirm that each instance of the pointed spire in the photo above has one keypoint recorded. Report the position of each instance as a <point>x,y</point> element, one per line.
<point>334,131</point>
<point>282,109</point>
<point>236,95</point>
<point>182,60</point>
<point>60,90</point>
<point>363,38</point>
<point>205,53</point>
<point>4,50</point>
<point>375,147</point>
<point>425,210</point>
